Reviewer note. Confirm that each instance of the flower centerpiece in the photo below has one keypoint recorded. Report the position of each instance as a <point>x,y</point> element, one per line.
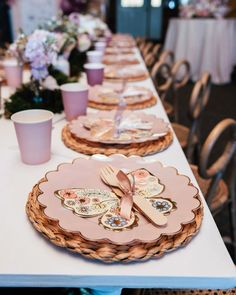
<point>73,43</point>
<point>66,37</point>
<point>39,50</point>
<point>17,49</point>
<point>94,26</point>
<point>204,8</point>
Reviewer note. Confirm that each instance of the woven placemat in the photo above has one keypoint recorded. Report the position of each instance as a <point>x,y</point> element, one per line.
<point>136,106</point>
<point>127,79</point>
<point>140,149</point>
<point>123,62</point>
<point>106,252</point>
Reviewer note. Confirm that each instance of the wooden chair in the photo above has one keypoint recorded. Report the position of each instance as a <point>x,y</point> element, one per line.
<point>167,56</point>
<point>162,79</point>
<point>189,138</point>
<point>213,187</point>
<point>152,56</point>
<point>142,44</point>
<point>168,80</point>
<point>146,49</point>
<point>139,40</point>
<point>180,75</point>
<point>220,192</point>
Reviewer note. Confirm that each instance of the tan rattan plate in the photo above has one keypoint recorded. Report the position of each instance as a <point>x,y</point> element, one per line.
<point>128,79</point>
<point>90,148</point>
<point>107,252</point>
<point>136,106</point>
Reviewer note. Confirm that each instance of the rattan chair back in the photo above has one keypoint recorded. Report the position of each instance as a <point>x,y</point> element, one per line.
<point>216,170</point>
<point>152,56</point>
<point>195,111</point>
<point>180,74</point>
<point>167,56</point>
<point>139,40</point>
<point>148,48</point>
<point>142,45</point>
<point>162,78</point>
<point>169,79</point>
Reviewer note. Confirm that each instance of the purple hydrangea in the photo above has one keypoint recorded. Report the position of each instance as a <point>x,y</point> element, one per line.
<point>40,51</point>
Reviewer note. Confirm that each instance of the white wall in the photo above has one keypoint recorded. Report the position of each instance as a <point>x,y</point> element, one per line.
<point>28,14</point>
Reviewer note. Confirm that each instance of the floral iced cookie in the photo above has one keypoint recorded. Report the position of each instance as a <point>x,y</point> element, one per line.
<point>113,221</point>
<point>149,187</point>
<point>87,202</point>
<point>162,205</point>
<point>146,184</point>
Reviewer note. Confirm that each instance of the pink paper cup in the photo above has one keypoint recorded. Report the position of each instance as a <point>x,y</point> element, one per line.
<point>13,73</point>
<point>75,100</point>
<point>94,56</point>
<point>100,46</point>
<point>33,130</point>
<point>95,73</point>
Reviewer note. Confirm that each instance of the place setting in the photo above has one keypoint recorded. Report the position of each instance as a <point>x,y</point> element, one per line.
<point>118,50</point>
<point>107,96</point>
<point>131,73</point>
<point>116,209</point>
<point>122,41</point>
<point>118,131</point>
<point>120,59</point>
<point>115,130</point>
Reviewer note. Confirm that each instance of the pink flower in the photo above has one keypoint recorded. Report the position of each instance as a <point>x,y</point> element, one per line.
<point>83,200</point>
<point>141,173</point>
<point>74,18</point>
<point>68,194</point>
<point>40,51</point>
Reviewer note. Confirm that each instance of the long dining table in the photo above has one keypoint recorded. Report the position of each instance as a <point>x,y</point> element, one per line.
<point>29,260</point>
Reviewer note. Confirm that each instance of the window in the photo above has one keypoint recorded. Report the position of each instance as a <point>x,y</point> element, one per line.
<point>184,2</point>
<point>132,3</point>
<point>156,3</point>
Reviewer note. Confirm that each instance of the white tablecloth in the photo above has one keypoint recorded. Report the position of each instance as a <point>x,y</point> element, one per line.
<point>208,44</point>
<point>28,259</point>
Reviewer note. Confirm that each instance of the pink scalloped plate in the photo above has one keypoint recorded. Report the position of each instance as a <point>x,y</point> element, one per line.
<point>124,72</point>
<point>159,127</point>
<point>108,93</point>
<point>120,59</point>
<point>84,173</point>
<point>116,50</point>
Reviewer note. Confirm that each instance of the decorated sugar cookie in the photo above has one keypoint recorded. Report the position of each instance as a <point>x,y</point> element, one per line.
<point>146,184</point>
<point>113,221</point>
<point>87,202</point>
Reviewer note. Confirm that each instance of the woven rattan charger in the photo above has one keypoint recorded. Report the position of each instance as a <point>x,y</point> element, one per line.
<point>135,106</point>
<point>128,79</point>
<point>106,252</point>
<point>141,149</point>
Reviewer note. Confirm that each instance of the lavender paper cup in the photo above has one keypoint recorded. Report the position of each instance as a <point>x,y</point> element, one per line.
<point>100,46</point>
<point>33,130</point>
<point>95,73</point>
<point>13,73</point>
<point>94,56</point>
<point>75,100</point>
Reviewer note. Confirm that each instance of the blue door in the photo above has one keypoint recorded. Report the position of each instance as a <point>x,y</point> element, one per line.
<point>139,17</point>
